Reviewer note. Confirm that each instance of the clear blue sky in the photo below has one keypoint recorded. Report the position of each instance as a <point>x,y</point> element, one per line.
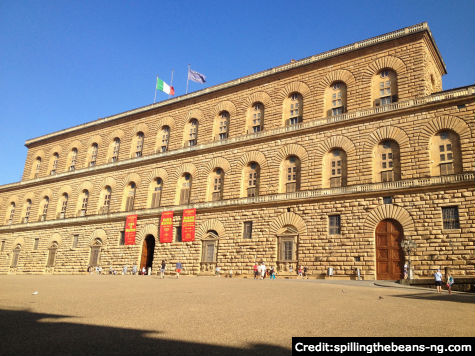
<point>64,63</point>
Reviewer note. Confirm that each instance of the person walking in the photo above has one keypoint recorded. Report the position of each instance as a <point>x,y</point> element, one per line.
<point>162,269</point>
<point>272,273</point>
<point>299,272</point>
<point>305,272</point>
<point>178,269</point>
<point>450,282</point>
<point>263,271</point>
<point>256,270</point>
<point>438,281</point>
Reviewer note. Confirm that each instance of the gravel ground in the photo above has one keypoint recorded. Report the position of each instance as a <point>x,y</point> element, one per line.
<point>144,315</point>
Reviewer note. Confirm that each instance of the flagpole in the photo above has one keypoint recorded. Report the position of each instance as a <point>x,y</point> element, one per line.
<point>155,98</point>
<point>171,82</point>
<point>187,79</point>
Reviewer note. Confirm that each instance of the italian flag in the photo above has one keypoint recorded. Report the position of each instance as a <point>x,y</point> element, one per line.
<point>161,85</point>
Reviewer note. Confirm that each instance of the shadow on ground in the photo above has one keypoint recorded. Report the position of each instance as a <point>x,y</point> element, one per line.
<point>445,297</point>
<point>28,333</point>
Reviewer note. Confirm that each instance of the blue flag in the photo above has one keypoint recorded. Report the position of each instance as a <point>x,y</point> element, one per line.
<point>196,77</point>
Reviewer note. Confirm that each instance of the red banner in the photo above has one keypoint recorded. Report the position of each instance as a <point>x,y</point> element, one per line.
<point>188,225</point>
<point>130,229</point>
<point>166,227</point>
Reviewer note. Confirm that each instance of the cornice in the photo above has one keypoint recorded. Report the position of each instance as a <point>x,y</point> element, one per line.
<point>301,197</point>
<point>407,31</point>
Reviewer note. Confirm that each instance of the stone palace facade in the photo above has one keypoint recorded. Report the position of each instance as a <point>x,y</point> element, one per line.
<point>354,159</point>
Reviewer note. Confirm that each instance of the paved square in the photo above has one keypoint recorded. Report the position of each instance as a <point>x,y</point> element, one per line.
<point>125,315</point>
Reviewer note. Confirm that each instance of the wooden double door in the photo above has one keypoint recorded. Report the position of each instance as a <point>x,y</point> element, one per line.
<point>389,254</point>
<point>148,248</point>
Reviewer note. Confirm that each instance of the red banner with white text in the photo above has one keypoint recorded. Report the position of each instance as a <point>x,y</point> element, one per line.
<point>130,229</point>
<point>188,225</point>
<point>166,227</point>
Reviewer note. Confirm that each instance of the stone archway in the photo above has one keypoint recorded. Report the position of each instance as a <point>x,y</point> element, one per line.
<point>148,248</point>
<point>389,254</point>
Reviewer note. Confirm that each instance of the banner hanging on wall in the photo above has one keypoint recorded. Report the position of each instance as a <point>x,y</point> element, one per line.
<point>188,225</point>
<point>166,227</point>
<point>130,229</point>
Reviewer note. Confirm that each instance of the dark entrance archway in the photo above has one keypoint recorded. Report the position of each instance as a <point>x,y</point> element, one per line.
<point>389,254</point>
<point>148,248</point>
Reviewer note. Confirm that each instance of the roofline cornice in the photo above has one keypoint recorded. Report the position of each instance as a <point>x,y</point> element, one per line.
<point>279,69</point>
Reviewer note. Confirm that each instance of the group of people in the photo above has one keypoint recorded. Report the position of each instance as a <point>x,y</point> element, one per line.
<point>261,271</point>
<point>136,271</point>
<point>449,281</point>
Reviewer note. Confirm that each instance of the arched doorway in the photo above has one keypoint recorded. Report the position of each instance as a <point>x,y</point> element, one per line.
<point>209,251</point>
<point>389,254</point>
<point>287,249</point>
<point>148,248</point>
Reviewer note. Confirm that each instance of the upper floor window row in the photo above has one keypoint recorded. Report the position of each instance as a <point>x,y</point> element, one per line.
<point>384,90</point>
<point>445,159</point>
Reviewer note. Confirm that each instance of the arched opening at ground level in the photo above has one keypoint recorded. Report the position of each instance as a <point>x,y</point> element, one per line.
<point>389,254</point>
<point>148,248</point>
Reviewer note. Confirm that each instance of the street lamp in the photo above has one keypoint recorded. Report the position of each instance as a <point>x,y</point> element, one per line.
<point>409,246</point>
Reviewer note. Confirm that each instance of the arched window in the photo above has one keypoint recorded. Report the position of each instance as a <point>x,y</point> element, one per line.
<point>293,109</point>
<point>83,200</point>
<point>94,258</point>
<point>251,176</point>
<point>115,150</point>
<point>52,254</point>
<point>139,144</point>
<point>334,170</point>
<point>16,256</point>
<point>37,167</point>
<point>445,153</point>
<point>106,200</point>
<point>256,117</point>
<point>130,196</point>
<point>73,158</point>
<point>185,189</point>
<point>157,188</point>
<point>223,125</point>
<point>384,85</point>
<point>336,98</point>
<point>165,138</point>
<point>54,163</point>
<point>217,181</point>
<point>387,166</point>
<point>192,133</point>
<point>26,217</point>
<point>93,154</point>
<point>11,214</point>
<point>44,208</point>
<point>291,174</point>
<point>63,206</point>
